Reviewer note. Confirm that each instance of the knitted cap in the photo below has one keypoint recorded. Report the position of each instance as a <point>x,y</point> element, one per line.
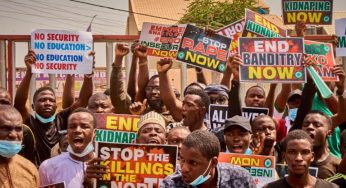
<point>151,117</point>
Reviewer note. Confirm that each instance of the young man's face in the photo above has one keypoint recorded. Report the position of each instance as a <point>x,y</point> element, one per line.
<point>217,98</point>
<point>298,156</point>
<point>264,129</point>
<point>237,139</point>
<point>316,125</point>
<point>45,104</point>
<point>152,93</point>
<point>80,131</point>
<point>192,110</point>
<point>99,105</point>
<point>151,133</point>
<point>193,164</point>
<point>176,137</point>
<point>255,97</point>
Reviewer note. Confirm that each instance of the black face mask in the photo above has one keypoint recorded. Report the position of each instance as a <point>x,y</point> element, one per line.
<point>155,104</point>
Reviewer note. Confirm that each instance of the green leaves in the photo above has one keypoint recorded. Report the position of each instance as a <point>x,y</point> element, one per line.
<point>216,14</point>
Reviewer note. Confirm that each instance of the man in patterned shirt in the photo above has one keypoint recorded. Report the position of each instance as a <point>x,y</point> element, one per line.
<point>200,167</point>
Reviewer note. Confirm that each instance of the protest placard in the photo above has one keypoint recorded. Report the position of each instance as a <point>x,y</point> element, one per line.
<point>323,56</point>
<point>64,52</point>
<point>233,31</point>
<point>162,40</point>
<point>257,26</point>
<point>198,49</point>
<point>116,128</point>
<point>272,60</point>
<point>340,31</point>
<point>261,168</point>
<point>282,170</point>
<point>317,12</point>
<point>217,115</point>
<point>252,112</point>
<point>134,165</point>
<point>56,185</point>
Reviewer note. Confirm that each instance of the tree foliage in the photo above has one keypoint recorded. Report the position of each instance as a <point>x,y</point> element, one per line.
<point>216,14</point>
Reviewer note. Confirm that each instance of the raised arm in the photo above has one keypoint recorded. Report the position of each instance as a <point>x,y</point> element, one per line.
<point>143,73</point>
<point>281,99</point>
<point>167,95</point>
<point>23,89</point>
<point>270,99</point>
<point>87,88</point>
<point>226,79</point>
<point>340,117</point>
<point>234,105</point>
<point>200,76</point>
<point>132,83</point>
<point>69,92</point>
<point>120,100</point>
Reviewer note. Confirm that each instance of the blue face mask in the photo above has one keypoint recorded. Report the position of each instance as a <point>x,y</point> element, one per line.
<point>86,151</point>
<point>9,149</point>
<point>45,120</point>
<point>292,113</point>
<point>201,178</point>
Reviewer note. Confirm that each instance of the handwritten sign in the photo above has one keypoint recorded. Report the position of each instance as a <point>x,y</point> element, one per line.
<point>261,168</point>
<point>323,56</point>
<point>64,52</point>
<point>252,112</point>
<point>340,31</point>
<point>318,12</point>
<point>218,114</point>
<point>203,51</point>
<point>133,165</point>
<point>162,40</point>
<point>272,60</point>
<point>116,128</point>
<point>233,31</point>
<point>257,26</point>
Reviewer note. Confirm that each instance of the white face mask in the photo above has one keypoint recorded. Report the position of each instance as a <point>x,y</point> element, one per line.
<point>201,178</point>
<point>87,150</point>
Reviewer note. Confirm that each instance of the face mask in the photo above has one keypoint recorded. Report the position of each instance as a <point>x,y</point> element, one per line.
<point>9,149</point>
<point>45,120</point>
<point>86,151</point>
<point>292,113</point>
<point>201,179</point>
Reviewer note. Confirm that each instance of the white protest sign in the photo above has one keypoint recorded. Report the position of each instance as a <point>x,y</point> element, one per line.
<point>340,31</point>
<point>62,52</point>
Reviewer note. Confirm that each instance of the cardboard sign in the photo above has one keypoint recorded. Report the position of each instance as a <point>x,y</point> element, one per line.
<point>233,31</point>
<point>322,54</point>
<point>257,26</point>
<point>252,112</point>
<point>203,51</point>
<point>274,60</point>
<point>282,170</point>
<point>133,165</point>
<point>64,52</point>
<point>217,115</point>
<point>340,31</point>
<point>56,185</point>
<point>317,12</point>
<point>116,128</point>
<point>261,168</point>
<point>162,40</point>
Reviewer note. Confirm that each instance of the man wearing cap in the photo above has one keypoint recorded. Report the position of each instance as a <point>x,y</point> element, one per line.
<point>237,135</point>
<point>151,129</point>
<point>285,124</point>
<point>218,94</point>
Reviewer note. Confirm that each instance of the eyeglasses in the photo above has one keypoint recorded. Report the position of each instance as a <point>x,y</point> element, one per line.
<point>152,88</point>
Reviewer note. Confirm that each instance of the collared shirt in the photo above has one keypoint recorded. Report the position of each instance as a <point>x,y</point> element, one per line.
<point>228,176</point>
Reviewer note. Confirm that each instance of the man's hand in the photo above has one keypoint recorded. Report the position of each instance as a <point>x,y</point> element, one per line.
<point>94,170</point>
<point>134,47</point>
<point>121,50</point>
<point>300,28</point>
<point>29,60</point>
<point>235,61</point>
<point>138,108</point>
<point>164,65</point>
<point>141,52</point>
<point>339,71</point>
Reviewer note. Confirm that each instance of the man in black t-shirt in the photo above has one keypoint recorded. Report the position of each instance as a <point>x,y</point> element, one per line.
<point>298,153</point>
<point>45,123</point>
